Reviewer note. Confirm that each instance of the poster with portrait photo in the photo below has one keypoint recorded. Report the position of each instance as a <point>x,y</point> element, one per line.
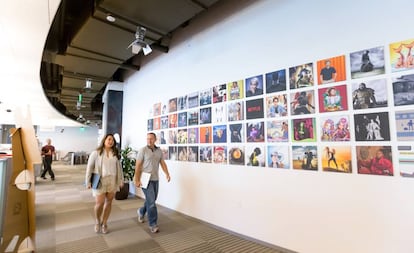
<point>406,160</point>
<point>276,105</point>
<point>254,109</point>
<point>255,131</point>
<point>182,103</point>
<point>305,157</point>
<point>182,153</point>
<point>236,132</point>
<point>302,102</point>
<point>192,100</point>
<point>335,128</point>
<point>236,155</point>
<point>372,127</point>
<point>331,70</point>
<point>333,99</point>
<point>192,118</point>
<point>219,113</point>
<point>367,62</point>
<point>256,155</point>
<point>374,160</point>
<point>157,138</point>
<point>254,86</point>
<point>205,96</point>
<point>164,107</point>
<point>403,90</point>
<point>165,153</point>
<point>205,134</point>
<point>172,120</point>
<point>235,111</point>
<point>235,90</point>
<point>162,137</point>
<point>337,159</point>
<point>303,130</point>
<point>205,115</point>
<point>172,105</point>
<point>173,153</point>
<point>192,154</point>
<point>404,122</point>
<point>276,81</point>
<point>206,154</point>
<point>401,55</point>
<point>278,157</point>
<point>150,124</point>
<point>157,123</point>
<point>192,135</point>
<point>277,131</point>
<point>220,134</point>
<point>172,136</point>
<point>301,76</point>
<point>369,94</point>
<point>220,154</point>
<point>219,93</point>
<point>182,136</point>
<point>157,109</point>
<point>164,122</point>
<point>182,119</point>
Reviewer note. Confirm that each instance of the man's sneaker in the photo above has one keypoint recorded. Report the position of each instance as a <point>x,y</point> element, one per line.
<point>43,178</point>
<point>154,229</point>
<point>140,217</point>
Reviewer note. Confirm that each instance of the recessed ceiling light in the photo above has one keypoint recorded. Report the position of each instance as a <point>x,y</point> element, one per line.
<point>110,18</point>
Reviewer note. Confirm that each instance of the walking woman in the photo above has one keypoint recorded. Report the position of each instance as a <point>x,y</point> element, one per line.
<point>105,162</point>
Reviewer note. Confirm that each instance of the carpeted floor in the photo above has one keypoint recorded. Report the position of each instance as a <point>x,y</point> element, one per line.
<point>64,223</point>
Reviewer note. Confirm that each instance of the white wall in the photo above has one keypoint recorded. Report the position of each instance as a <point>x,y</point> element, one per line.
<point>71,139</point>
<point>310,212</point>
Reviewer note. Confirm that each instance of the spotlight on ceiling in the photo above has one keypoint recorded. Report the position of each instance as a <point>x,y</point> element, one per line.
<point>139,42</point>
<point>110,18</point>
<point>88,85</point>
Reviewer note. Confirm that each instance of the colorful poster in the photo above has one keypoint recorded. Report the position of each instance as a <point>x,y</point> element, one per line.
<point>276,81</point>
<point>305,157</point>
<point>235,111</point>
<point>335,128</point>
<point>368,62</point>
<point>254,86</point>
<point>235,90</point>
<point>333,99</point>
<point>205,134</point>
<point>254,109</point>
<point>236,155</point>
<point>220,93</point>
<point>205,96</point>
<point>276,106</point>
<point>375,160</point>
<point>406,160</point>
<point>302,102</point>
<point>369,94</point>
<point>256,155</point>
<point>182,136</point>
<point>331,70</point>
<point>403,89</point>
<point>337,159</point>
<point>278,157</point>
<point>404,122</point>
<point>236,132</point>
<point>401,55</point>
<point>372,127</point>
<point>255,131</point>
<point>277,131</point>
<point>206,154</point>
<point>220,154</point>
<point>303,130</point>
<point>193,135</point>
<point>301,76</point>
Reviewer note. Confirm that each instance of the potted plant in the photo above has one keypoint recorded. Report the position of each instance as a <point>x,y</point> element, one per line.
<point>128,170</point>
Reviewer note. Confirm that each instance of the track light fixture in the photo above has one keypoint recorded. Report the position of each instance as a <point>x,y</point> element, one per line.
<point>139,42</point>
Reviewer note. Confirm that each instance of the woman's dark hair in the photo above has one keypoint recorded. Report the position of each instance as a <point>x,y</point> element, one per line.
<point>114,148</point>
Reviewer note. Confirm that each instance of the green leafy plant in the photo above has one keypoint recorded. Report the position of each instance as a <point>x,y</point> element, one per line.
<point>128,163</point>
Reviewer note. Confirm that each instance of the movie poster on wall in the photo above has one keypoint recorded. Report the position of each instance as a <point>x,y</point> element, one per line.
<point>192,100</point>
<point>276,81</point>
<point>277,131</point>
<point>205,134</point>
<point>205,96</point>
<point>164,122</point>
<point>331,70</point>
<point>165,153</point>
<point>301,76</point>
<point>369,94</point>
<point>206,154</point>
<point>335,128</point>
<point>182,153</point>
<point>305,157</point>
<point>182,103</point>
<point>254,109</point>
<point>157,123</point>
<point>302,102</point>
<point>172,105</point>
<point>406,160</point>
<point>182,119</point>
<point>404,122</point>
<point>172,136</point>
<point>401,55</point>
<point>173,153</point>
<point>205,115</point>
<point>372,127</point>
<point>162,138</point>
<point>220,154</point>
<point>337,159</point>
<point>157,109</point>
<point>403,89</point>
<point>192,135</point>
<point>375,160</point>
<point>172,120</point>
<point>368,62</point>
<point>276,106</point>
<point>235,111</point>
<point>236,132</point>
<point>255,131</point>
<point>254,86</point>
<point>278,157</point>
<point>150,124</point>
<point>192,118</point>
<point>236,155</point>
<point>182,136</point>
<point>219,113</point>
<point>256,155</point>
<point>192,154</point>
<point>303,130</point>
<point>220,93</point>
<point>220,134</point>
<point>235,90</point>
<point>333,99</point>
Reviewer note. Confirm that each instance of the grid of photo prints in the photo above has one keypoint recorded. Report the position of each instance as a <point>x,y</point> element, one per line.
<point>316,116</point>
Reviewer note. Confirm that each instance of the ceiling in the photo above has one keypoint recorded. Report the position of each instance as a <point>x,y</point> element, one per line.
<point>83,45</point>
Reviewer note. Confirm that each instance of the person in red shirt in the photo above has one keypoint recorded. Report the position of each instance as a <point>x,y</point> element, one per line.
<point>47,153</point>
<point>380,165</point>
